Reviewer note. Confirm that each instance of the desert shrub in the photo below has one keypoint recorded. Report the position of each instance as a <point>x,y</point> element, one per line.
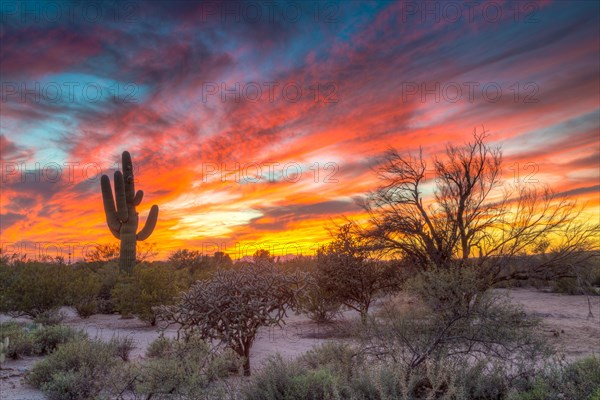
<point>586,280</point>
<point>109,276</point>
<point>566,285</point>
<point>147,287</point>
<point>122,346</point>
<point>581,379</point>
<point>34,288</point>
<point>124,296</point>
<point>4,343</point>
<point>283,379</point>
<point>87,308</point>
<point>454,338</point>
<point>324,372</point>
<point>187,369</point>
<point>50,317</point>
<point>47,338</point>
<point>320,376</point>
<point>7,275</point>
<point>347,271</point>
<point>75,370</point>
<point>159,347</point>
<point>434,379</point>
<point>318,304</point>
<point>103,253</point>
<point>577,380</point>
<point>32,339</point>
<point>188,259</point>
<point>341,358</point>
<point>84,291</point>
<point>233,304</point>
<point>20,343</point>
<point>396,381</point>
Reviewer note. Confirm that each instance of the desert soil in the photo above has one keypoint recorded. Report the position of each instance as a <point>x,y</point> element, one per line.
<point>565,323</point>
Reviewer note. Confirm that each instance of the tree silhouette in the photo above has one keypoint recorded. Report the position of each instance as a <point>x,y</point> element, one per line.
<point>473,217</point>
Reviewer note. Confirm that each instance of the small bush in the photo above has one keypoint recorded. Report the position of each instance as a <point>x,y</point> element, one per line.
<point>281,379</point>
<point>4,343</point>
<point>46,339</point>
<point>318,304</point>
<point>339,357</point>
<point>20,342</point>
<point>187,369</point>
<point>159,347</point>
<point>84,291</point>
<point>86,309</point>
<point>50,317</point>
<point>149,286</point>
<point>122,346</point>
<point>109,276</point>
<point>76,370</point>
<point>324,372</point>
<point>578,380</point>
<point>581,379</point>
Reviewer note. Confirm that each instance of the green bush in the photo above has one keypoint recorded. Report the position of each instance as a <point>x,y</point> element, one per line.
<point>318,304</point>
<point>159,347</point>
<point>581,379</point>
<point>109,276</point>
<point>34,288</point>
<point>578,380</point>
<point>587,280</point>
<point>84,291</point>
<point>76,370</point>
<point>324,372</point>
<point>187,369</point>
<point>339,357</point>
<point>33,339</point>
<point>147,287</point>
<point>290,380</point>
<point>122,346</point>
<point>46,339</point>
<point>50,317</point>
<point>4,343</point>
<point>20,342</point>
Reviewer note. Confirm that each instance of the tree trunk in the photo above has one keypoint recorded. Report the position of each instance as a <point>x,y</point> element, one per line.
<point>364,314</point>
<point>247,361</point>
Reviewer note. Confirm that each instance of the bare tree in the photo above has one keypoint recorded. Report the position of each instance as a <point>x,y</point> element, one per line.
<point>233,304</point>
<point>187,259</point>
<point>347,272</point>
<point>103,253</point>
<point>472,217</point>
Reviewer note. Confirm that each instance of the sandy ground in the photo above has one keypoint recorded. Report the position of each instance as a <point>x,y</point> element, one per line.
<point>565,323</point>
<point>564,319</point>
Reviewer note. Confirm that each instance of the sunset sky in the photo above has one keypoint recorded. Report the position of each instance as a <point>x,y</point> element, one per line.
<point>255,125</point>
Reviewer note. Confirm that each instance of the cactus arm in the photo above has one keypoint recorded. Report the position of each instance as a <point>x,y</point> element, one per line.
<point>109,207</point>
<point>138,197</point>
<point>122,212</point>
<point>128,178</point>
<point>115,233</point>
<point>149,225</point>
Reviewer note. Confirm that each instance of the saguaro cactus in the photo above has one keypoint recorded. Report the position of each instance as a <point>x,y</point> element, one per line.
<point>122,220</point>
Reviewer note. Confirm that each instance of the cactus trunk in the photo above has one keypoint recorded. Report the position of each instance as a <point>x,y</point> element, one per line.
<point>121,215</point>
<point>127,253</point>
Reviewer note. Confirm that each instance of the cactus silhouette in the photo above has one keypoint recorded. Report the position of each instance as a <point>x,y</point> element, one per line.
<point>122,220</point>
